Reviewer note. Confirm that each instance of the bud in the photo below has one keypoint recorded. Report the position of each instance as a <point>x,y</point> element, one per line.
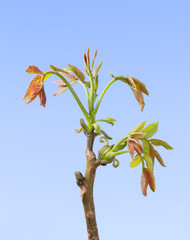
<point>97,128</point>
<point>79,177</point>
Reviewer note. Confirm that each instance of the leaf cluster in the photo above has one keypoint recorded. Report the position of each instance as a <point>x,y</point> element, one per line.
<point>138,142</point>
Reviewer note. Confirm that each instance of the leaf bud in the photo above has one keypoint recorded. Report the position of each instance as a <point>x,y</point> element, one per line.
<point>84,126</point>
<point>79,177</point>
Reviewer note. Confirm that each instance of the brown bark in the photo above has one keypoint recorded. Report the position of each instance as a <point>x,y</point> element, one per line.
<point>86,186</point>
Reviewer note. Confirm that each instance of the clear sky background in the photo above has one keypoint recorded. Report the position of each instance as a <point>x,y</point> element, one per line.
<point>39,149</point>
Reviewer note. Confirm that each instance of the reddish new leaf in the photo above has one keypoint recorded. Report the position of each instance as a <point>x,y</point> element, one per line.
<point>85,59</point>
<point>159,158</point>
<point>88,56</point>
<point>35,91</point>
<point>151,179</point>
<point>152,153</point>
<point>77,72</point>
<point>144,182</point>
<point>131,149</point>
<point>138,148</point>
<point>140,99</point>
<point>140,86</point>
<point>42,96</point>
<point>95,54</point>
<point>33,70</point>
<point>60,91</point>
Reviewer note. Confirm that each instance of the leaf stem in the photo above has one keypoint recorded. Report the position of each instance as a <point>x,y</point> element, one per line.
<point>112,154</point>
<point>73,92</point>
<point>118,143</point>
<point>104,91</point>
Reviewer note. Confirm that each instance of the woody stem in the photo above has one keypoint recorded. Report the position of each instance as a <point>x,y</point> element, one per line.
<point>86,187</point>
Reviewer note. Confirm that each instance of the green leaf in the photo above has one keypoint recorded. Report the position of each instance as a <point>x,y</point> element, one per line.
<point>79,130</point>
<point>107,120</point>
<point>146,146</point>
<point>158,142</point>
<point>150,130</point>
<point>148,160</point>
<point>159,158</point>
<point>97,128</point>
<point>110,119</point>
<point>136,161</point>
<point>84,126</point>
<point>139,127</point>
<point>105,135</point>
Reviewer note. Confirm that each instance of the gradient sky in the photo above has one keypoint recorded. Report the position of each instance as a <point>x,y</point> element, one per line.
<point>39,149</point>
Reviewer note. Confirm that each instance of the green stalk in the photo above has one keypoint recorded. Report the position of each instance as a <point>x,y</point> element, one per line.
<point>104,91</point>
<point>91,91</point>
<point>113,154</point>
<point>118,143</point>
<point>73,92</point>
<point>86,90</point>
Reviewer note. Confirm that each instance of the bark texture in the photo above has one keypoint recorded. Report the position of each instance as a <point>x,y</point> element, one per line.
<point>86,186</point>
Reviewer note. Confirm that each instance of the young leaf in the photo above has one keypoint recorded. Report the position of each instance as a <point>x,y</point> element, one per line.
<point>88,56</point>
<point>64,73</point>
<point>84,126</point>
<point>131,149</point>
<point>152,153</point>
<point>140,86</point>
<point>136,161</point>
<point>138,148</point>
<point>107,120</point>
<point>158,142</point>
<point>105,135</point>
<point>63,89</point>
<point>159,158</point>
<point>129,81</point>
<point>42,96</point>
<point>151,180</point>
<point>150,130</point>
<point>34,70</point>
<point>137,135</point>
<point>77,72</point>
<point>35,92</point>
<point>139,97</point>
<point>36,80</point>
<point>79,130</point>
<point>96,70</point>
<point>111,74</point>
<point>144,182</point>
<point>97,128</point>
<point>139,127</point>
<point>148,160</point>
<point>95,54</point>
<point>85,59</point>
<point>146,146</point>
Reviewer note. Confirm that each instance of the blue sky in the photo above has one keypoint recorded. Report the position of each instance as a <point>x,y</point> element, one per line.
<point>40,151</point>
